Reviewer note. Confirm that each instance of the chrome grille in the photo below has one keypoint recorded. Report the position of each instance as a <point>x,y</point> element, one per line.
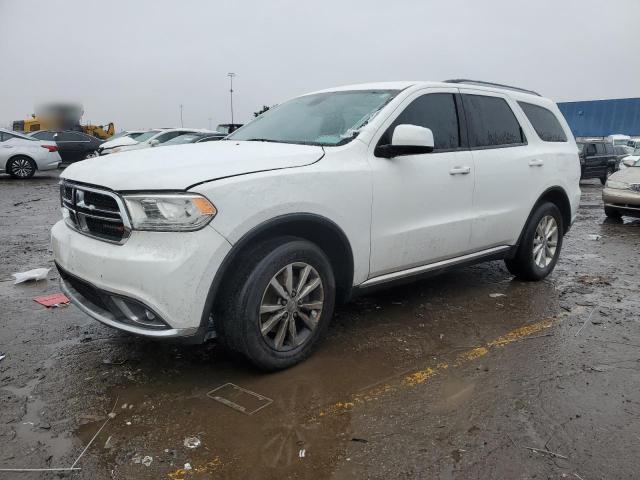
<point>94,212</point>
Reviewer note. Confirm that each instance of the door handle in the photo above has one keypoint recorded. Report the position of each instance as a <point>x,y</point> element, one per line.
<point>460,171</point>
<point>536,163</point>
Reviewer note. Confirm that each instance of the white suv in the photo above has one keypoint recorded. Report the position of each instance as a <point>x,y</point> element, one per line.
<point>253,239</point>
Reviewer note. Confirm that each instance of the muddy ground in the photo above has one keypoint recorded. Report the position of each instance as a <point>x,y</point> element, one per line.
<point>437,380</point>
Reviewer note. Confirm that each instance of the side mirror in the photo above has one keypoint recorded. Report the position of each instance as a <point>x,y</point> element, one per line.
<point>155,142</point>
<point>408,140</point>
<point>628,161</point>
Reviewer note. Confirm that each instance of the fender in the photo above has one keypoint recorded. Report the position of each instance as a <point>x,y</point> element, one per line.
<point>266,229</point>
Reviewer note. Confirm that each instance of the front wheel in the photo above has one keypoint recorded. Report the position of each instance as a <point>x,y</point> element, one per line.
<point>540,244</point>
<point>21,167</point>
<point>279,303</point>
<point>92,154</point>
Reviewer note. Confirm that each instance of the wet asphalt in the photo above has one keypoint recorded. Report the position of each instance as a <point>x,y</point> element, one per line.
<point>471,374</point>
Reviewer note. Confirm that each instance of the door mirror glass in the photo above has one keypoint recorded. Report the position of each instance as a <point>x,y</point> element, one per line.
<point>408,140</point>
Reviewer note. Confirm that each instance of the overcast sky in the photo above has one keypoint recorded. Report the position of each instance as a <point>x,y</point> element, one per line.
<point>135,62</point>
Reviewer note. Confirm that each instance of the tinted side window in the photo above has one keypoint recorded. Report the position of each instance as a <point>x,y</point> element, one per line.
<point>491,122</point>
<point>608,148</point>
<point>600,148</point>
<point>591,149</point>
<point>436,111</point>
<point>544,122</point>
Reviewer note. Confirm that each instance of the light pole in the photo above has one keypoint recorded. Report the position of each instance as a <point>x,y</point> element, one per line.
<point>181,122</point>
<point>231,75</point>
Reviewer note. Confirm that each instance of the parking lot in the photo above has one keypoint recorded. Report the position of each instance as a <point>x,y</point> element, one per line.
<point>467,375</point>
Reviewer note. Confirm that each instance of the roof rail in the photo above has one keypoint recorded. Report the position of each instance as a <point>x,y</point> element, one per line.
<point>491,84</point>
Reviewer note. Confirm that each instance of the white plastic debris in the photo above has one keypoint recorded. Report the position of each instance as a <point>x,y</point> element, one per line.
<point>35,274</point>
<point>2,356</point>
<point>146,461</point>
<point>187,466</point>
<point>302,453</point>
<point>497,295</point>
<point>594,237</point>
<point>192,442</point>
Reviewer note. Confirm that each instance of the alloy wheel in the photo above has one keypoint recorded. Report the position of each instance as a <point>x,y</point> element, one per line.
<point>291,306</point>
<point>22,168</point>
<point>545,241</point>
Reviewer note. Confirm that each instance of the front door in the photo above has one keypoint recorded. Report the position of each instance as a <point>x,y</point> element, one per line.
<point>422,204</point>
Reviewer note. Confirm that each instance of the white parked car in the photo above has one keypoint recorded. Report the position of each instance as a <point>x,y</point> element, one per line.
<point>632,145</point>
<point>631,159</point>
<point>21,156</point>
<point>151,138</point>
<point>254,238</point>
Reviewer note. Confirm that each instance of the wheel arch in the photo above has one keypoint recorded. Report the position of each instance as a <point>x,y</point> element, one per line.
<point>558,196</point>
<point>317,229</point>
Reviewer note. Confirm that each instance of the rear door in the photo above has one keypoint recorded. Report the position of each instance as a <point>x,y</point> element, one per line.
<point>509,172</point>
<point>71,146</point>
<point>611,157</point>
<point>600,161</point>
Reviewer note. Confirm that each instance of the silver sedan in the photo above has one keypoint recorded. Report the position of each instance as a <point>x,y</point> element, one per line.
<point>22,156</point>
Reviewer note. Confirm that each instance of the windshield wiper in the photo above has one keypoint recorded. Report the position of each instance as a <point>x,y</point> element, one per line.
<point>263,140</point>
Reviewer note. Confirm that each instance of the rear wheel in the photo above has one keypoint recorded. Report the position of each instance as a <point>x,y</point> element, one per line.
<point>279,303</point>
<point>21,167</point>
<point>611,212</point>
<point>540,245</point>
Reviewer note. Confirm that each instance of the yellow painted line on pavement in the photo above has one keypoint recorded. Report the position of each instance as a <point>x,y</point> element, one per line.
<point>421,376</point>
<point>208,468</point>
<point>407,381</point>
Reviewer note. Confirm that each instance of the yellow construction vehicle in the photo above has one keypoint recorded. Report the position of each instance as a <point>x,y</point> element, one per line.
<point>100,131</point>
<point>62,116</point>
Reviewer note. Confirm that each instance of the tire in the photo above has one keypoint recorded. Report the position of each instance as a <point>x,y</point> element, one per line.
<point>21,167</point>
<point>92,154</point>
<point>612,212</point>
<point>251,291</point>
<point>527,266</point>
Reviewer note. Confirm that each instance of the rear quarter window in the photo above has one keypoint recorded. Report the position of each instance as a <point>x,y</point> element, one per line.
<point>544,122</point>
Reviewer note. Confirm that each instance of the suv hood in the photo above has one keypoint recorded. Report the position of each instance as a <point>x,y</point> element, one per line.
<point>182,166</point>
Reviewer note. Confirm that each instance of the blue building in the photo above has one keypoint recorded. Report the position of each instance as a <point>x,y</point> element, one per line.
<point>599,118</point>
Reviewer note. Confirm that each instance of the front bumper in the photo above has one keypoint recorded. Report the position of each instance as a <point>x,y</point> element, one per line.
<point>168,273</point>
<point>625,201</point>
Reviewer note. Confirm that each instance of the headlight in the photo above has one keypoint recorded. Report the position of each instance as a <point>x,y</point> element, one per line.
<point>617,185</point>
<point>182,212</point>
